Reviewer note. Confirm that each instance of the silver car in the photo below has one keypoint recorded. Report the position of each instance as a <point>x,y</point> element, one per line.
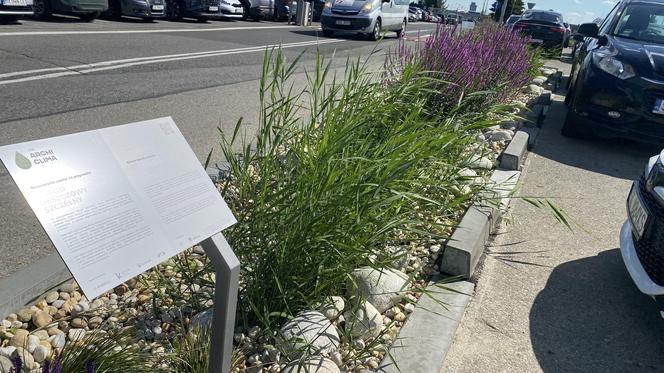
<point>370,17</point>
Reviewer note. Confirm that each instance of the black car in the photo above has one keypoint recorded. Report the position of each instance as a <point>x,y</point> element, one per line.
<point>617,82</point>
<point>545,27</point>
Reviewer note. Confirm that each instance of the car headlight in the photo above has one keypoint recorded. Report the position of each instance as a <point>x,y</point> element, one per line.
<point>655,177</point>
<point>614,66</point>
<point>369,6</point>
<point>328,4</point>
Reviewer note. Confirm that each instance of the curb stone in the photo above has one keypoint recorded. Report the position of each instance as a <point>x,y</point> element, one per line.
<point>427,335</point>
<point>513,156</point>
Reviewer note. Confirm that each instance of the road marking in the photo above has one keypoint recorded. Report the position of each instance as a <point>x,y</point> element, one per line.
<point>98,32</point>
<point>119,64</point>
<point>82,69</point>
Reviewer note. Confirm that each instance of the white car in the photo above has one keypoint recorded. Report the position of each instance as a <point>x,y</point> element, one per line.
<point>231,8</point>
<point>642,235</point>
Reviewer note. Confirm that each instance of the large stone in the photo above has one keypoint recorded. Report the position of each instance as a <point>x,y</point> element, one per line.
<point>58,340</point>
<point>40,354</point>
<point>6,365</point>
<point>501,135</point>
<point>33,342</point>
<point>478,162</point>
<point>41,319</point>
<point>203,319</point>
<point>308,333</point>
<point>332,307</point>
<point>20,338</point>
<point>364,321</point>
<point>381,288</point>
<point>25,314</point>
<point>316,364</point>
<point>535,89</point>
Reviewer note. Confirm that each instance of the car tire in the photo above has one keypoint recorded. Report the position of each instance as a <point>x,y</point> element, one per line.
<point>328,33</point>
<point>402,31</point>
<point>114,11</point>
<point>42,9</point>
<point>89,17</point>
<point>174,10</point>
<point>245,11</point>
<point>375,34</point>
<point>571,125</point>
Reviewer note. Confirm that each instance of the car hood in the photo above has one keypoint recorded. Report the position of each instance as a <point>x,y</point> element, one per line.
<point>348,4</point>
<point>646,57</point>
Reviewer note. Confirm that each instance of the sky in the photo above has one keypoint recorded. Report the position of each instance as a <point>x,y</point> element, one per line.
<point>574,11</point>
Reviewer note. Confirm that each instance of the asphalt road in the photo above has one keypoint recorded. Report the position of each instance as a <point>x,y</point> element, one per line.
<point>67,76</point>
<point>553,300</point>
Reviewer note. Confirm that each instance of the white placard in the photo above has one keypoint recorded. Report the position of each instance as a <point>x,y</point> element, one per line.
<point>118,201</point>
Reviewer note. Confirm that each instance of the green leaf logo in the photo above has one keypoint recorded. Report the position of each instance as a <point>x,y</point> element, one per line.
<point>22,161</point>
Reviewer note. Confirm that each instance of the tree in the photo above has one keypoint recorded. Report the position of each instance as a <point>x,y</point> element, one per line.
<point>513,7</point>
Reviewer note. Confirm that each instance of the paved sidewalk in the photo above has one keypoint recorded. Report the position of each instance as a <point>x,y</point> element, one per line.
<point>552,300</point>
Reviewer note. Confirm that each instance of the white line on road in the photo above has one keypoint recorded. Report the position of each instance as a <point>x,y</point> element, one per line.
<point>98,32</point>
<point>57,72</point>
<point>119,64</point>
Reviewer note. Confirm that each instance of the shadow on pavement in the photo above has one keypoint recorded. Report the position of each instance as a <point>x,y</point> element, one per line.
<point>590,317</point>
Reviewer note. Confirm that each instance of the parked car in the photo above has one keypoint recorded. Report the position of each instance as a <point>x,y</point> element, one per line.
<point>145,9</point>
<point>452,20</point>
<point>231,8</point>
<point>86,10</point>
<point>201,10</point>
<point>512,20</point>
<point>12,10</point>
<point>642,234</point>
<point>545,27</point>
<point>617,80</point>
<point>370,17</point>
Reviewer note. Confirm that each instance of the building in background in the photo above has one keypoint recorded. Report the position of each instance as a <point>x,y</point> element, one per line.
<point>473,7</point>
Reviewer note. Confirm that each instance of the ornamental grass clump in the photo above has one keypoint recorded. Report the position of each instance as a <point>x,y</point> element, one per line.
<point>334,174</point>
<point>489,59</point>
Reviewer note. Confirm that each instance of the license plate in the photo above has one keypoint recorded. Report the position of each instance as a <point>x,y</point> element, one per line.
<point>214,9</point>
<point>637,214</point>
<point>659,106</point>
<point>342,22</point>
<point>157,7</point>
<point>537,41</point>
<point>14,2</point>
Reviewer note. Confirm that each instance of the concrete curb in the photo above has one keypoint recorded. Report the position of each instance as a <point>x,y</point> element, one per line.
<point>429,330</point>
<point>427,335</point>
<point>23,286</point>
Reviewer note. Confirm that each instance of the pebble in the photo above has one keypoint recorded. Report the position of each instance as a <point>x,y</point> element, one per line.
<point>76,334</point>
<point>58,340</point>
<point>6,365</point>
<point>41,319</point>
<point>25,314</point>
<point>12,317</point>
<point>95,322</point>
<point>52,297</point>
<point>409,307</point>
<point>78,323</point>
<point>67,287</point>
<point>8,351</point>
<point>64,296</point>
<point>400,317</point>
<point>337,358</point>
<point>6,324</point>
<point>40,353</point>
<point>20,338</point>
<point>41,334</point>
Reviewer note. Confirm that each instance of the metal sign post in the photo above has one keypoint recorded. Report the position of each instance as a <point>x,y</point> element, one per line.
<point>227,267</point>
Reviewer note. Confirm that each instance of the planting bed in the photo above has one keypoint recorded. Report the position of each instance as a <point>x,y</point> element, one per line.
<point>343,218</point>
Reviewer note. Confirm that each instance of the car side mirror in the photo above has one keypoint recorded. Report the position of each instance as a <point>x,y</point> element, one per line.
<point>590,30</point>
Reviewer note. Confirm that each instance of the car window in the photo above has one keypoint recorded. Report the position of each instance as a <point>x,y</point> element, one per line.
<point>603,26</point>
<point>542,16</point>
<point>644,22</point>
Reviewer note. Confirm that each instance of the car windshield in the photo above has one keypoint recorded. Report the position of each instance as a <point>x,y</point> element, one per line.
<point>541,16</point>
<point>644,22</point>
<point>513,19</point>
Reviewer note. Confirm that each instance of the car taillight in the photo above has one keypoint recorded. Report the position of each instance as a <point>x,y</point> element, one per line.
<point>558,29</point>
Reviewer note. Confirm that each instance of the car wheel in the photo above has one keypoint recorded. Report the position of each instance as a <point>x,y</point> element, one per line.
<point>375,34</point>
<point>245,12</point>
<point>402,30</point>
<point>89,17</point>
<point>328,33</point>
<point>174,10</point>
<point>42,9</point>
<point>571,125</point>
<point>114,10</point>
